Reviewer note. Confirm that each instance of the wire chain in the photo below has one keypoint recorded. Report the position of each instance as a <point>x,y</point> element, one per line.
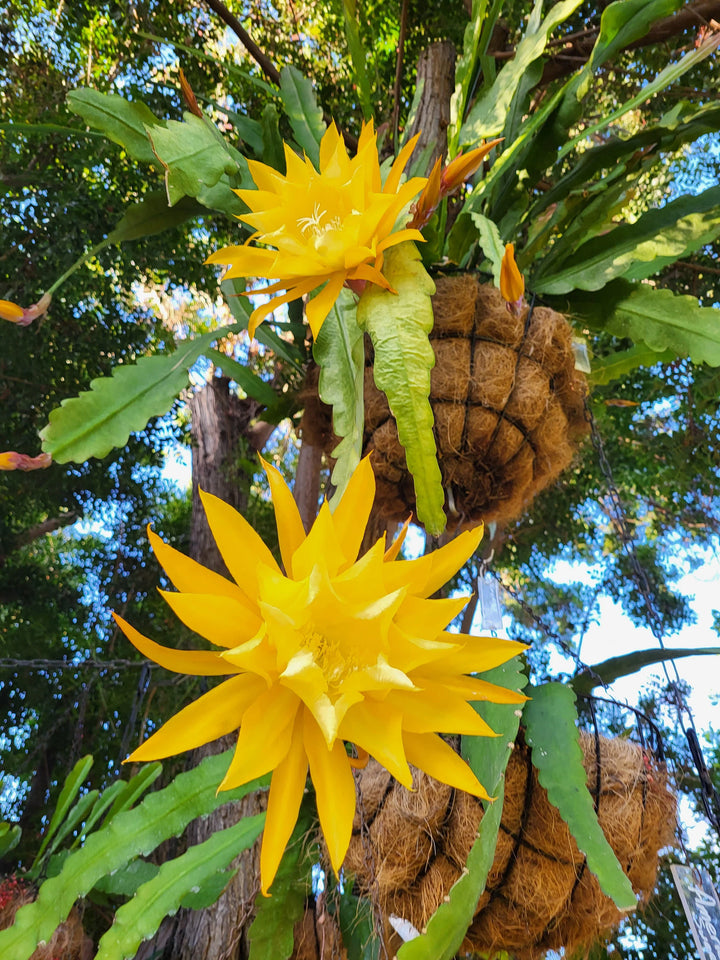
<point>369,863</point>
<point>618,516</point>
<point>7,663</point>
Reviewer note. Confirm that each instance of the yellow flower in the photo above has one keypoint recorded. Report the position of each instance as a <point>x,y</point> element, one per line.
<point>334,651</point>
<point>329,226</point>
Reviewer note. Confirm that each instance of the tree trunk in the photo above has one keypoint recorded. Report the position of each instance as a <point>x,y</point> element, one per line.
<point>436,71</point>
<point>220,424</point>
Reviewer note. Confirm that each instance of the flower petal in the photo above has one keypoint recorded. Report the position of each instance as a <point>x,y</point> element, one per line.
<point>286,792</point>
<point>435,709</point>
<point>211,716</point>
<point>477,654</point>
<point>430,753</point>
<point>317,309</point>
<point>351,515</point>
<point>291,532</point>
<point>334,788</point>
<point>188,575</point>
<point>298,290</point>
<point>240,546</point>
<point>205,663</point>
<point>392,181</point>
<point>221,620</point>
<point>376,728</point>
<point>265,737</point>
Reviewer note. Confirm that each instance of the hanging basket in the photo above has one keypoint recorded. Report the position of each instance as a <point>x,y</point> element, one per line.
<point>507,402</point>
<point>540,895</point>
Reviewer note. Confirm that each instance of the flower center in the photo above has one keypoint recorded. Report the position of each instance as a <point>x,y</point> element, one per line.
<point>330,657</point>
<point>314,227</point>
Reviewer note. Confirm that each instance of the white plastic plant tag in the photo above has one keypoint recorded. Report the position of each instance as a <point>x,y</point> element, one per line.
<point>489,604</point>
<point>582,358</point>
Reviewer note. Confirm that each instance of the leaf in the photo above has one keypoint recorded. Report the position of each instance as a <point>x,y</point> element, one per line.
<point>550,729</point>
<point>490,243</point>
<point>70,789</point>
<point>655,317</point>
<point>272,152</point>
<point>358,58</point>
<point>134,789</point>
<point>488,115</point>
<point>40,129</point>
<point>125,881</point>
<point>399,324</point>
<point>464,72</point>
<point>152,215</point>
<point>637,250</point>
<point>340,353</point>
<point>96,421</point>
<point>305,116</point>
<point>194,156</point>
<point>248,381</point>
<point>669,75</point>
<point>10,834</point>
<point>618,365</point>
<point>125,122</point>
<point>271,932</point>
<point>611,670</point>
<point>162,814</point>
<point>624,22</point>
<point>162,895</point>
<point>354,916</point>
<point>488,758</point>
<point>75,817</point>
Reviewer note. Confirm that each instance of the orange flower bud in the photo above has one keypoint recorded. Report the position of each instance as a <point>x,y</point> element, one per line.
<point>463,166</point>
<point>512,283</point>
<point>23,316</point>
<point>10,460</point>
<point>427,202</point>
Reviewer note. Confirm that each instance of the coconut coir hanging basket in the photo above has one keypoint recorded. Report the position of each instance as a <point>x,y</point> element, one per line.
<point>507,401</point>
<point>540,894</point>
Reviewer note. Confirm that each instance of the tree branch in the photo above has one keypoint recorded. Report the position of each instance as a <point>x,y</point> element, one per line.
<point>41,529</point>
<point>230,20</point>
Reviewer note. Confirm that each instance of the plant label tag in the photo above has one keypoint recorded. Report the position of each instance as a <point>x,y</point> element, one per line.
<point>489,604</point>
<point>702,908</point>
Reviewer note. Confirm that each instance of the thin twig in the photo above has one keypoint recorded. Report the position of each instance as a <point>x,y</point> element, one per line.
<point>398,71</point>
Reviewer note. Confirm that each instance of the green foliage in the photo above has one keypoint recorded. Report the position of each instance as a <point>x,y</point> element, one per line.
<point>92,424</point>
<point>303,112</point>
<point>129,834</point>
<point>399,325</point>
<point>612,669</point>
<point>339,351</point>
<point>549,718</point>
<point>488,759</point>
<point>176,879</point>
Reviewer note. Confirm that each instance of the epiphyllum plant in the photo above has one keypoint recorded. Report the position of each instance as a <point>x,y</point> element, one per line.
<point>330,226</point>
<point>333,651</point>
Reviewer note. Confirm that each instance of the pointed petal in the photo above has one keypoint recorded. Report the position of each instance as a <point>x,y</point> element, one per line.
<point>430,753</point>
<point>352,513</point>
<point>222,621</point>
<point>297,290</point>
<point>205,663</point>
<point>240,546</point>
<point>477,654</point>
<point>191,577</point>
<point>427,574</point>
<point>246,261</point>
<point>265,737</point>
<point>428,618</point>
<point>469,688</point>
<point>291,532</point>
<point>317,309</point>
<point>328,145</point>
<point>286,792</point>
<point>395,547</point>
<point>321,544</point>
<point>211,716</point>
<point>334,788</point>
<point>393,178</point>
<point>434,710</point>
<point>376,728</point>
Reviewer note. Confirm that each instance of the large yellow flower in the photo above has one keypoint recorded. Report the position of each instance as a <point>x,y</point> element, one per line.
<point>329,226</point>
<point>334,651</point>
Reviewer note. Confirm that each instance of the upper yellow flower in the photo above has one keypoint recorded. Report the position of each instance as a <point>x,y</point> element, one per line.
<point>329,226</point>
<point>333,651</point>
